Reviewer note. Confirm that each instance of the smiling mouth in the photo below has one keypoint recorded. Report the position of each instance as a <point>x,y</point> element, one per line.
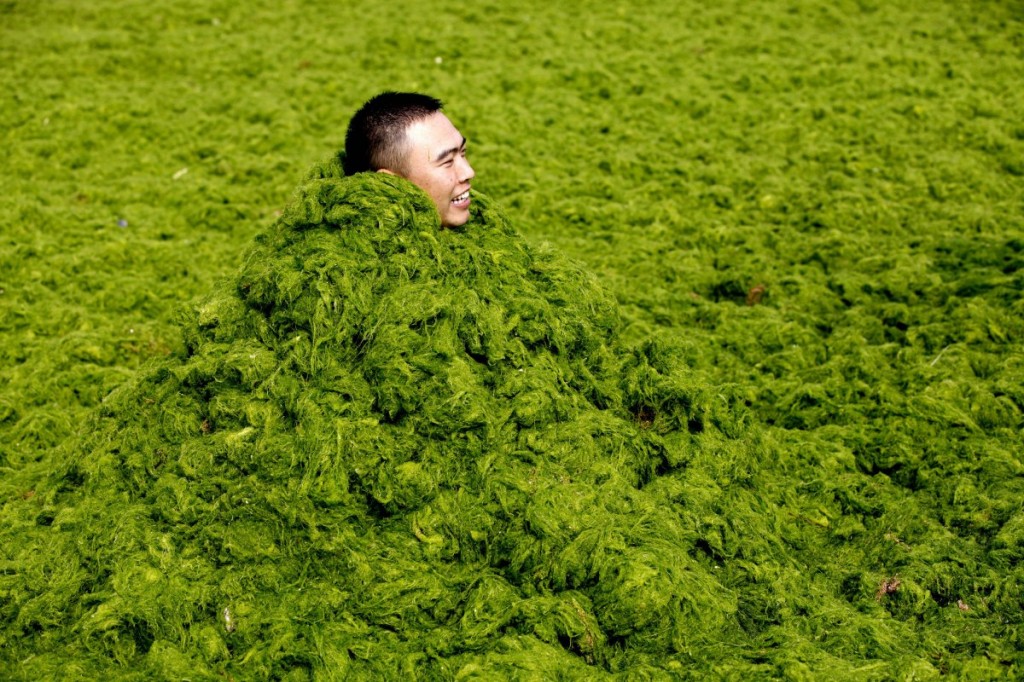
<point>462,200</point>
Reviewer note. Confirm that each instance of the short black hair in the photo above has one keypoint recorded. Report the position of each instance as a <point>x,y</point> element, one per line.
<point>376,133</point>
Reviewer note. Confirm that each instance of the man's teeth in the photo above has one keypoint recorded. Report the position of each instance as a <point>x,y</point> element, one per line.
<point>461,197</point>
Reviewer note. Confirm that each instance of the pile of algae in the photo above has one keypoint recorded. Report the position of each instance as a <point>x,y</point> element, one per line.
<point>392,451</point>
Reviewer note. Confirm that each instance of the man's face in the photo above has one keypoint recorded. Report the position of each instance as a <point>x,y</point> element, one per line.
<point>436,162</point>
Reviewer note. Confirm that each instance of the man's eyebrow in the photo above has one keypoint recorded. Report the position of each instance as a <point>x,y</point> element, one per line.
<point>450,152</point>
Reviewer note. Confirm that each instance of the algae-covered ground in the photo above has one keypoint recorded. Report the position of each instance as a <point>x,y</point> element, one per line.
<point>724,380</point>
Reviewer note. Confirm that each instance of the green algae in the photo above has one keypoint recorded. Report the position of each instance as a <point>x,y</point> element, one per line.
<point>383,444</point>
<point>388,450</point>
<point>858,161</point>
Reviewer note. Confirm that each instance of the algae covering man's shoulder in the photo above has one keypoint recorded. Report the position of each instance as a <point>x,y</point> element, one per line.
<point>384,442</point>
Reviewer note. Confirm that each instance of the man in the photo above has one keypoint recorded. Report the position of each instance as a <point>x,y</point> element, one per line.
<point>406,134</point>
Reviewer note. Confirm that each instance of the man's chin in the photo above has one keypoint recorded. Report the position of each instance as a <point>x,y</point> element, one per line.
<point>455,218</point>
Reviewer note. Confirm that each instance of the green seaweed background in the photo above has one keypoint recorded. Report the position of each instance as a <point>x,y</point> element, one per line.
<point>826,482</point>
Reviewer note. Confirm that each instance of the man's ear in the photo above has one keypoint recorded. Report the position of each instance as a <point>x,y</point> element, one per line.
<point>386,170</point>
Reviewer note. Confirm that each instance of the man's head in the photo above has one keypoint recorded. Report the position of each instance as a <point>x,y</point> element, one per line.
<point>406,134</point>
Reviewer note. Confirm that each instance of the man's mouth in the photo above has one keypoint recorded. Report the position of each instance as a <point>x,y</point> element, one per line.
<point>461,201</point>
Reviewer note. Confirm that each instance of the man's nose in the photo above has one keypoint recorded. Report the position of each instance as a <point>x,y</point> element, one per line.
<point>467,173</point>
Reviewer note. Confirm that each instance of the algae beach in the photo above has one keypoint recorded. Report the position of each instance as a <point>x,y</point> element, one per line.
<point>723,379</point>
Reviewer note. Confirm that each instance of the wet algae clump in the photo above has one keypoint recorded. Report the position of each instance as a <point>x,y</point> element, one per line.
<point>387,449</point>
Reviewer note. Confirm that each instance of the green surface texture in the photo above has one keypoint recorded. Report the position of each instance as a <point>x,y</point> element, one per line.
<point>723,380</point>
